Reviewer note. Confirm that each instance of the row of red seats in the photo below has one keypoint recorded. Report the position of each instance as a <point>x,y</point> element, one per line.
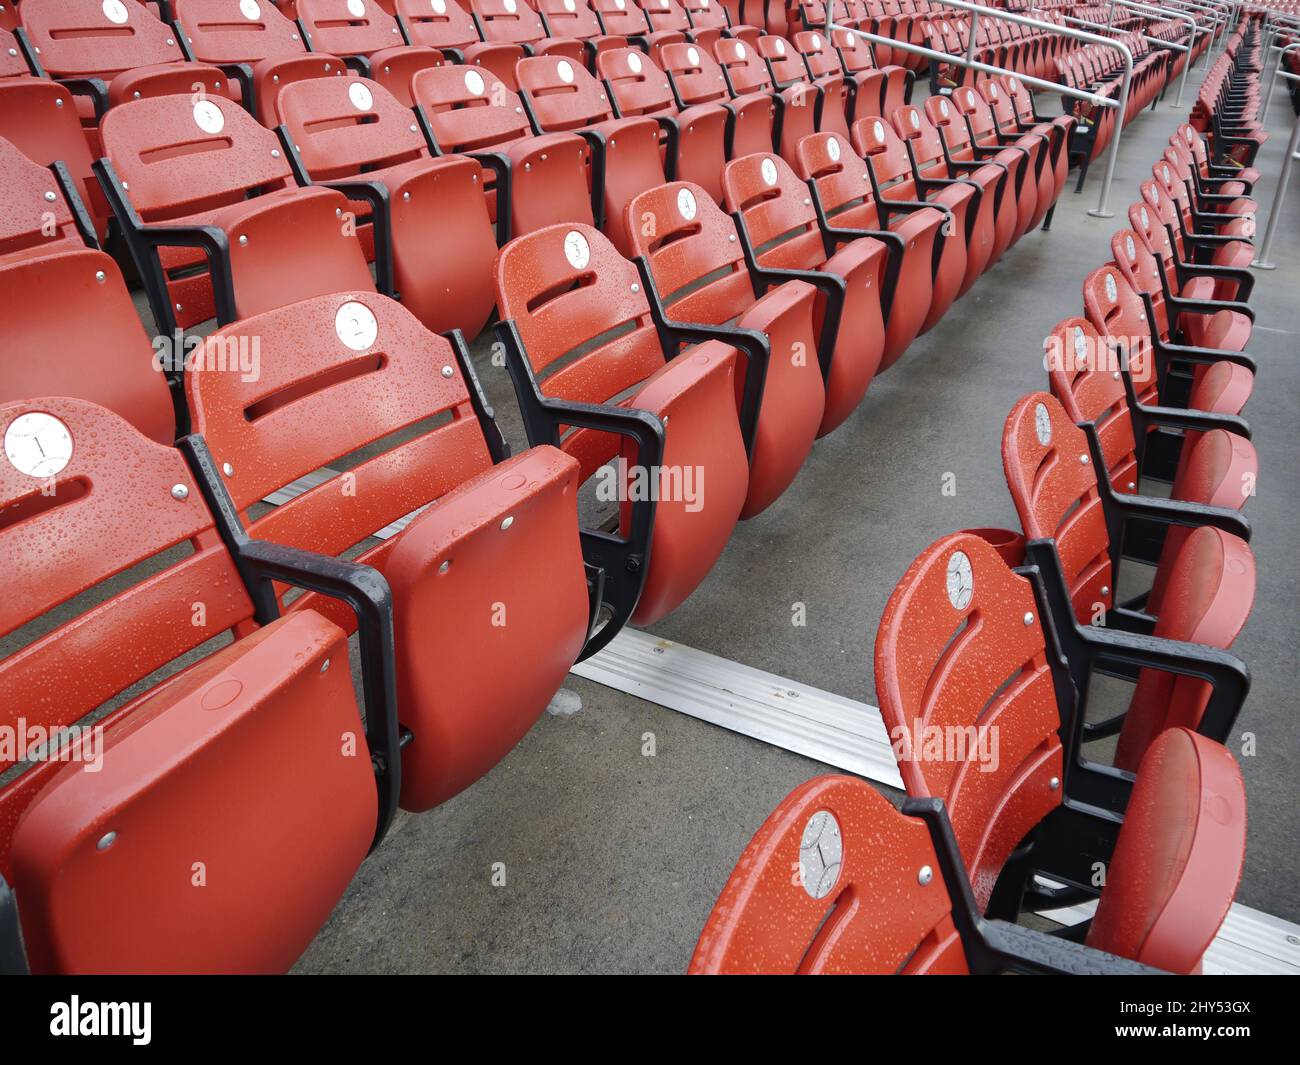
<point>940,885</point>
<point>828,273</point>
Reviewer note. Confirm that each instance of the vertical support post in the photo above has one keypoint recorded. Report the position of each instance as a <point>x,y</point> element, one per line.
<point>1275,212</point>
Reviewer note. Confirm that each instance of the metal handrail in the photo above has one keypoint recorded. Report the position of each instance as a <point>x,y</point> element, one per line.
<point>1275,212</point>
<point>1159,41</point>
<point>1121,106</point>
<point>1269,83</point>
<point>1149,8</point>
<point>1219,17</point>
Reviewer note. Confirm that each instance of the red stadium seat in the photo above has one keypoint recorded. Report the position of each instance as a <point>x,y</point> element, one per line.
<point>698,79</point>
<point>247,770</point>
<point>695,271</point>
<point>779,229</point>
<point>203,248</point>
<point>565,290</point>
<point>350,134</point>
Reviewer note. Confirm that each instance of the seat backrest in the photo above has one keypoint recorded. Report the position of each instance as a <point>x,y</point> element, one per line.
<point>820,57</point>
<point>574,19</point>
<point>1116,309</point>
<point>178,156</point>
<point>707,14</point>
<point>875,140</point>
<point>855,52</point>
<point>636,85</point>
<point>665,16</point>
<point>86,499</point>
<point>743,65</point>
<point>1084,372</point>
<point>107,358</point>
<point>12,62</point>
<point>969,700</point>
<point>778,214</point>
<point>469,108</point>
<point>339,373</point>
<point>951,124</point>
<point>694,72</point>
<point>39,117</point>
<point>1053,485</point>
<point>784,61</point>
<point>1140,269</point>
<point>576,301</point>
<point>343,126</point>
<point>438,23</point>
<point>976,110</point>
<point>236,31</point>
<point>1179,855</point>
<point>694,256</point>
<point>97,38</point>
<point>348,27</point>
<point>857,905</point>
<point>912,125</point>
<point>841,179</point>
<point>562,95</point>
<point>507,21</point>
<point>35,217</point>
<point>622,17</point>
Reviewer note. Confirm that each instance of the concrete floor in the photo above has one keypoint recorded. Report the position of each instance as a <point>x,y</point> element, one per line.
<point>611,860</point>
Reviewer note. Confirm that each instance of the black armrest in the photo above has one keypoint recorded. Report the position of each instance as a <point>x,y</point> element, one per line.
<point>80,216</point>
<point>622,561</point>
<point>362,588</point>
<point>13,962</point>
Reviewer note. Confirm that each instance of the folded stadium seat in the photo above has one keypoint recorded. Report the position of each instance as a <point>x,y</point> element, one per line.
<point>694,271</point>
<point>1205,578</point>
<point>39,118</point>
<point>234,760</point>
<point>395,68</point>
<point>848,208</point>
<point>515,22</point>
<point>42,211</point>
<point>1239,180</point>
<point>823,64</point>
<point>563,97</point>
<point>1036,182</point>
<point>352,135</point>
<point>450,28</point>
<point>353,30</point>
<point>109,52</point>
<point>1132,320</point>
<point>964,156</point>
<point>783,241</point>
<point>1229,245</point>
<point>1205,174</point>
<point>889,172</point>
<point>235,35</point>
<point>355,369</point>
<point>13,64</point>
<point>931,176</point>
<point>790,72</point>
<point>962,646</point>
<point>860,905</point>
<point>1193,280</point>
<point>624,18</point>
<point>1136,435</point>
<point>1048,142</point>
<point>565,290</point>
<point>695,138</point>
<point>120,377</point>
<point>272,75</point>
<point>1201,207</point>
<point>1225,325</point>
<point>576,20</point>
<point>710,20</point>
<point>747,73</point>
<point>856,58</point>
<point>536,180</point>
<point>697,78</point>
<point>201,245</point>
<point>1021,117</point>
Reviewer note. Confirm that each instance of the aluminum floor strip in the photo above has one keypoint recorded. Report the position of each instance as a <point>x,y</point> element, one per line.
<point>829,728</point>
<point>1250,943</point>
<point>851,736</point>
